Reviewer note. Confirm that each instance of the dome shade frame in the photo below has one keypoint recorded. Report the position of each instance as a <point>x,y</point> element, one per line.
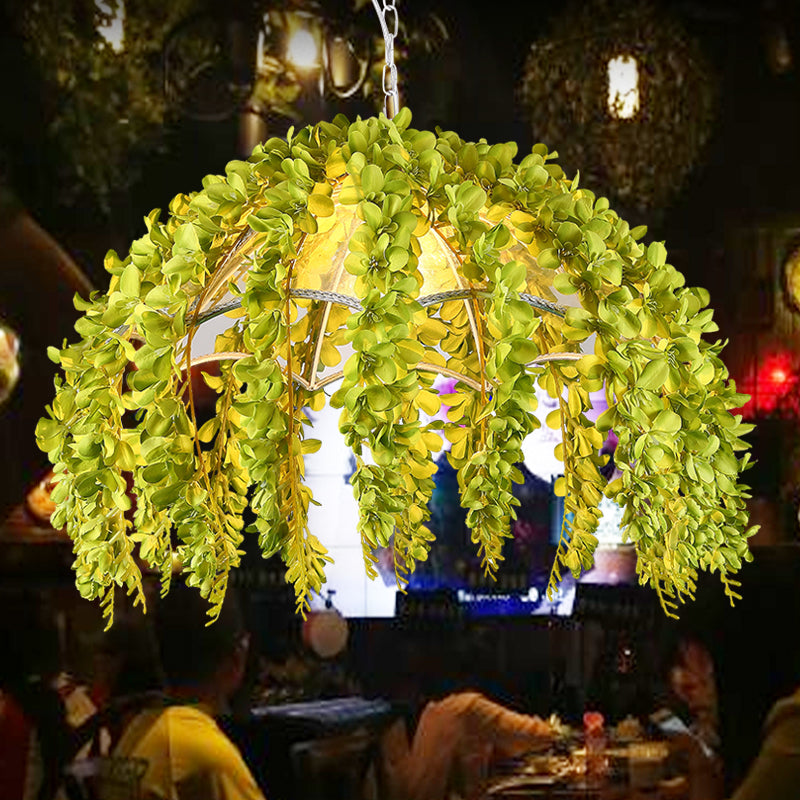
<point>450,250</point>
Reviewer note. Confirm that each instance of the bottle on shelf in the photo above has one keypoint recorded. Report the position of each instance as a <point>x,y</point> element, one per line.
<point>595,742</point>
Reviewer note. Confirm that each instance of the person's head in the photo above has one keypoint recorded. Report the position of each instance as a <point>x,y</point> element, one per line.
<point>197,658</point>
<point>434,666</point>
<point>686,667</point>
<point>692,675</point>
<point>126,660</point>
<point>30,639</point>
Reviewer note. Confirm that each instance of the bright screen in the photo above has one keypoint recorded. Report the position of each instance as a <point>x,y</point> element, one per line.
<point>452,562</point>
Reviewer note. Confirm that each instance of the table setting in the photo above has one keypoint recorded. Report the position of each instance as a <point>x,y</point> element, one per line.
<point>623,763</point>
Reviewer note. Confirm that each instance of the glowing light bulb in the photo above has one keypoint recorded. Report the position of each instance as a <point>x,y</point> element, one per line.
<point>623,87</point>
<point>302,50</point>
<point>9,362</point>
<point>779,376</point>
<point>112,28</point>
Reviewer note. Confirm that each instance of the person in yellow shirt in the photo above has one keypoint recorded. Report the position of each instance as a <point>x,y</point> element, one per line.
<point>183,753</point>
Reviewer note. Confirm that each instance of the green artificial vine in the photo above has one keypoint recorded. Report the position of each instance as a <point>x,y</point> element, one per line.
<point>382,390</point>
<point>124,421</point>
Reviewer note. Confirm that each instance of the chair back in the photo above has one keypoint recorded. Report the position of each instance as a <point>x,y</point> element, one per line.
<point>100,776</point>
<point>336,767</point>
<point>105,778</point>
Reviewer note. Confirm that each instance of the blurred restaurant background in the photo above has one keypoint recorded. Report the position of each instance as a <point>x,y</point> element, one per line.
<point>107,115</point>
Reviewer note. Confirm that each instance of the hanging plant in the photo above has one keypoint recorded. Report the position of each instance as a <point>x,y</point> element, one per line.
<point>105,108</point>
<point>641,156</point>
<point>383,255</point>
<point>108,105</point>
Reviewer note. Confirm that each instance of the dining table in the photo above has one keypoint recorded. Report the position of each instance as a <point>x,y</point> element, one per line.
<point>637,770</point>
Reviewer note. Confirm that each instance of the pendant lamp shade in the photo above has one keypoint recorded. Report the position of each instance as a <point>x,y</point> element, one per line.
<point>326,292</point>
<point>382,255</point>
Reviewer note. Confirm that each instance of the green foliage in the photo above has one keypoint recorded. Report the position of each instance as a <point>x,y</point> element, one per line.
<point>642,162</point>
<point>107,110</point>
<point>670,401</point>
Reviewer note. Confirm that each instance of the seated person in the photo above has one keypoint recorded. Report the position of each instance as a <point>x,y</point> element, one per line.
<point>186,753</point>
<point>456,741</point>
<point>457,738</point>
<point>691,695</point>
<point>692,680</point>
<point>775,774</point>
<point>34,726</point>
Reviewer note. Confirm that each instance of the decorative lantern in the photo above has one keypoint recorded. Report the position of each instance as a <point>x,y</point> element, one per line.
<point>382,255</point>
<point>625,94</point>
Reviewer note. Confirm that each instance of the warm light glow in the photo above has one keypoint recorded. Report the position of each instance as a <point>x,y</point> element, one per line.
<point>9,362</point>
<point>623,87</point>
<point>777,372</point>
<point>772,385</point>
<point>112,30</point>
<point>302,51</point>
<point>261,49</point>
<point>779,376</point>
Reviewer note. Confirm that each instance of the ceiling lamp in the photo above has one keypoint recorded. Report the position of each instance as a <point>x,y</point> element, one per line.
<point>116,75</point>
<point>110,23</point>
<point>625,94</point>
<point>623,87</point>
<point>380,256</point>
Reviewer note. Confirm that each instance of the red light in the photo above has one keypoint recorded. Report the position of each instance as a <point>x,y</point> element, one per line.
<point>779,376</point>
<point>772,386</point>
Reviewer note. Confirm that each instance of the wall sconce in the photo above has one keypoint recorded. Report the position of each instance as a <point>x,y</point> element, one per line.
<point>307,44</point>
<point>282,67</point>
<point>299,49</point>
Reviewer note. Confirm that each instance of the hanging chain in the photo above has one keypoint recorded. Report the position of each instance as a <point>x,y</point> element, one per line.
<point>390,22</point>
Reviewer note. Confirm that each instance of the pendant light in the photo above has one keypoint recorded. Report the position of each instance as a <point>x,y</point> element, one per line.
<point>380,255</point>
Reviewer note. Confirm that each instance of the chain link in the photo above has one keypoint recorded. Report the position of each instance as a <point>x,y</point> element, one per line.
<point>390,25</point>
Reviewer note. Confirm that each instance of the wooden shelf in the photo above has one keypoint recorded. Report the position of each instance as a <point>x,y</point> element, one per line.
<point>31,554</point>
